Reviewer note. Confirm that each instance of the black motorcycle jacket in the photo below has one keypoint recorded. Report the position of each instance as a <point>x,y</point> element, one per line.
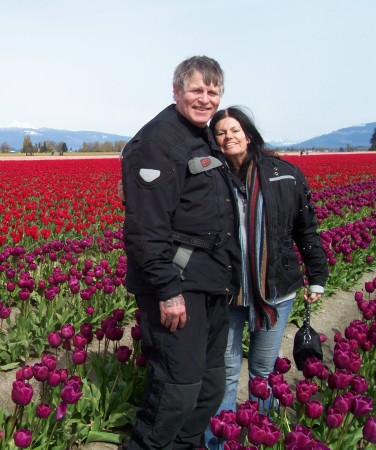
<point>290,221</point>
<point>179,200</point>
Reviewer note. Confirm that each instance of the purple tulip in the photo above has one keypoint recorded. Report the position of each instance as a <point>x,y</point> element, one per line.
<point>114,333</point>
<point>71,393</point>
<point>257,433</point>
<point>86,294</point>
<point>22,438</point>
<point>359,384</point>
<point>263,432</point>
<point>324,373</point>
<point>119,314</point>
<point>43,410</point>
<point>54,339</point>
<point>231,430</point>
<point>99,334</point>
<point>343,402</point>
<point>123,353</point>
<point>369,430</point>
<point>108,322</point>
<point>216,427</point>
<point>23,295</point>
<point>298,436</point>
<point>341,359</point>
<point>279,388</point>
<point>361,405</point>
<point>334,417</point>
<point>27,372</point>
<point>340,379</point>
<point>312,367</point>
<point>355,362</point>
<point>79,356</point>
<point>273,435</point>
<point>51,292</point>
<point>258,387</point>
<point>10,286</point>
<point>61,410</point>
<point>89,310</point>
<point>49,361</point>
<point>314,409</point>
<point>79,341</point>
<point>369,287</point>
<point>55,378</point>
<point>218,422</point>
<point>67,331</point>
<point>287,398</point>
<point>244,416</point>
<point>86,329</point>
<point>282,365</point>
<point>275,378</point>
<point>22,393</point>
<point>40,372</point>
<point>140,360</point>
<point>323,337</point>
<point>88,264</point>
<point>358,296</point>
<point>136,332</point>
<point>5,312</point>
<point>74,285</point>
<point>304,391</point>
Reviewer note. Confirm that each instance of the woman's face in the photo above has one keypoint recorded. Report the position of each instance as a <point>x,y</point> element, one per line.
<point>232,140</point>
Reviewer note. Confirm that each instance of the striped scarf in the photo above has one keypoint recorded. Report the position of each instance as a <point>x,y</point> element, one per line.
<point>264,312</point>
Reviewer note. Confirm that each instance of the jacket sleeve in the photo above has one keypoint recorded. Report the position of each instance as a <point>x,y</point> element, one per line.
<point>306,237</point>
<point>152,183</point>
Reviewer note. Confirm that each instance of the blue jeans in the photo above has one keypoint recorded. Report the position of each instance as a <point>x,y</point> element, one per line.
<point>264,348</point>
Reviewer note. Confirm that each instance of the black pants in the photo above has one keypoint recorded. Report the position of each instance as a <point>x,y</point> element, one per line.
<point>187,373</point>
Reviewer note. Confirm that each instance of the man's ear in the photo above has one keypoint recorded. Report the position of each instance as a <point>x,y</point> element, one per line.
<point>175,92</point>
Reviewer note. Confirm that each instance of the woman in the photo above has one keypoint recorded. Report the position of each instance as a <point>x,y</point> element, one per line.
<point>275,212</point>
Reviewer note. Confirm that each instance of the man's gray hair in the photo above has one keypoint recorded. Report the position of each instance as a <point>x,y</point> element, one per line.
<point>208,67</point>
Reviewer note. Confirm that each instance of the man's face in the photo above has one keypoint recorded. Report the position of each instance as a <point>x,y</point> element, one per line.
<point>198,102</point>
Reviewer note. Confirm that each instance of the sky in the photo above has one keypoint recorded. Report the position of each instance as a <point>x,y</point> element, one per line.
<point>304,68</point>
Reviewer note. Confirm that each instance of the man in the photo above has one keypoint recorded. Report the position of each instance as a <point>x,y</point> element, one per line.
<point>183,261</point>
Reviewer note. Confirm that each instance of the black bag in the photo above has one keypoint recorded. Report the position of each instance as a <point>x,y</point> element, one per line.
<point>307,342</point>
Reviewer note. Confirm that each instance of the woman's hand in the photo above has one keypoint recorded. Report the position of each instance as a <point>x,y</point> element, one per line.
<point>312,297</point>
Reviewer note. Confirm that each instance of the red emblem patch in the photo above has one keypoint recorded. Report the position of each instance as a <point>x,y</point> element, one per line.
<point>205,162</point>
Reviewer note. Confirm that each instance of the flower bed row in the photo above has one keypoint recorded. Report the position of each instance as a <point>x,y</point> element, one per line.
<point>63,264</point>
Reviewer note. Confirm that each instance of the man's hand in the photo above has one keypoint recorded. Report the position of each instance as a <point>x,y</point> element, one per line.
<point>312,297</point>
<point>173,314</point>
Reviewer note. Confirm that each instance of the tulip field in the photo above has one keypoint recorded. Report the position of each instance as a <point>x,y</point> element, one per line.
<point>69,330</point>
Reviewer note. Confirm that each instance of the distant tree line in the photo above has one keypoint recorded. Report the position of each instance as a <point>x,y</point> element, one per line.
<point>102,147</point>
<point>60,148</point>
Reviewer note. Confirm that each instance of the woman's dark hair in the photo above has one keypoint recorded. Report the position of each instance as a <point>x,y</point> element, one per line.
<point>256,145</point>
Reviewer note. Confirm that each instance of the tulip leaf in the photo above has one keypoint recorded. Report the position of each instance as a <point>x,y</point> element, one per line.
<point>102,436</point>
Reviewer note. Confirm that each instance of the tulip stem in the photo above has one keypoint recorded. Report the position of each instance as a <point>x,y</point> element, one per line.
<point>51,434</point>
<point>112,390</point>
